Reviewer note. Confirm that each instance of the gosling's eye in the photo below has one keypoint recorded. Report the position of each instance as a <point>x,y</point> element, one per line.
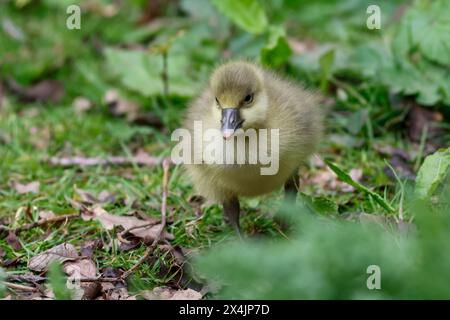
<point>217,101</point>
<point>248,98</point>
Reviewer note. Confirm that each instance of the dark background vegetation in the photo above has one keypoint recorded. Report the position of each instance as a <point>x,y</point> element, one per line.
<point>377,195</point>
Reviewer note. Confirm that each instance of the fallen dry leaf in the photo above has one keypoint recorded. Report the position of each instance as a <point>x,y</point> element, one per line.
<point>420,118</point>
<point>85,268</point>
<point>119,294</point>
<point>8,263</point>
<point>40,137</point>
<point>326,179</point>
<point>103,197</point>
<point>300,47</point>
<point>107,10</point>
<point>88,248</point>
<point>388,150</point>
<point>12,30</point>
<point>120,107</point>
<point>63,252</point>
<point>111,272</point>
<point>13,241</point>
<point>399,160</point>
<point>113,290</point>
<point>47,215</point>
<point>32,187</point>
<point>42,91</point>
<point>141,158</point>
<point>402,168</point>
<point>129,245</point>
<point>81,104</point>
<point>109,221</point>
<point>176,252</point>
<point>161,293</point>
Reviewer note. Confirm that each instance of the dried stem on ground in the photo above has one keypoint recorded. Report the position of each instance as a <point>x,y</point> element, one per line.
<point>151,248</point>
<point>42,222</point>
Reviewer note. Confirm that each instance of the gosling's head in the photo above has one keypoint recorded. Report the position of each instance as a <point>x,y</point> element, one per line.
<point>240,97</point>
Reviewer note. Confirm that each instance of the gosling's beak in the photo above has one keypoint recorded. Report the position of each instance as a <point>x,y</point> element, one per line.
<point>231,121</point>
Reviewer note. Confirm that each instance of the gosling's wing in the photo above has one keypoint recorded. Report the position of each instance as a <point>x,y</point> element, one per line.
<point>296,112</point>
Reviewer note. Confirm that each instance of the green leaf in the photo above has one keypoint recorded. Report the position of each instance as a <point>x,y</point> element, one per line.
<point>247,14</point>
<point>326,63</point>
<point>137,70</point>
<point>199,8</point>
<point>141,71</point>
<point>430,30</point>
<point>277,51</point>
<point>347,179</point>
<point>432,173</point>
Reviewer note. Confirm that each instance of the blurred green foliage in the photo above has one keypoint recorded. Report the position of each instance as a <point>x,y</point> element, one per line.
<point>322,43</point>
<point>409,55</point>
<point>57,282</point>
<point>248,14</point>
<point>329,259</point>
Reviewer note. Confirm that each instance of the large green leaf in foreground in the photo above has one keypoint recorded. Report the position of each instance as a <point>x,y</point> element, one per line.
<point>247,14</point>
<point>433,172</point>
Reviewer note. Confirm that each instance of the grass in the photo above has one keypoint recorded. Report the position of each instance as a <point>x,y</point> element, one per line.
<point>38,131</point>
<point>96,134</point>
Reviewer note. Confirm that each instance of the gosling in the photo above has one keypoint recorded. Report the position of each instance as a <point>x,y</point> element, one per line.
<point>243,95</point>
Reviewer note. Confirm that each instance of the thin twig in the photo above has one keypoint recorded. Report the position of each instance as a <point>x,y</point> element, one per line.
<point>145,160</point>
<point>42,222</point>
<point>38,279</point>
<point>115,279</point>
<point>164,75</point>
<point>151,248</point>
<point>122,239</point>
<point>21,287</point>
<point>25,278</point>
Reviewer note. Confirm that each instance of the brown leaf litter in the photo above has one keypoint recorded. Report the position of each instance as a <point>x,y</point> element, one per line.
<point>41,91</point>
<point>162,293</point>
<point>62,253</point>
<point>121,107</point>
<point>145,230</point>
<point>31,187</point>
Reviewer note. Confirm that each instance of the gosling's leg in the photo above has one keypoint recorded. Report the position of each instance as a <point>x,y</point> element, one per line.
<point>292,186</point>
<point>231,210</point>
